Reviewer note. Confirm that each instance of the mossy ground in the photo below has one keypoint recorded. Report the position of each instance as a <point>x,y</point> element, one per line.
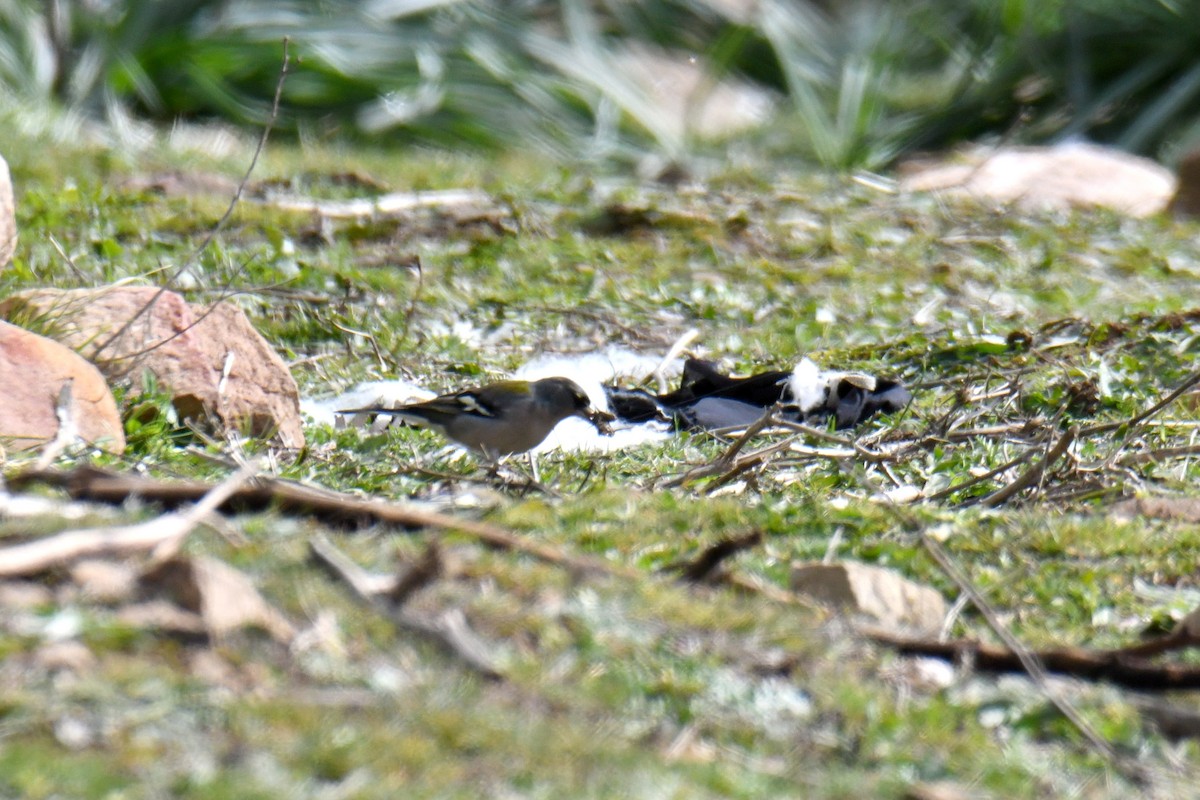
<point>639,688</point>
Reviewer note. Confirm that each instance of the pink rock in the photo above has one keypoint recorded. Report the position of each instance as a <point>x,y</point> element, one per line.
<point>33,370</point>
<point>210,359</point>
<point>1066,176</point>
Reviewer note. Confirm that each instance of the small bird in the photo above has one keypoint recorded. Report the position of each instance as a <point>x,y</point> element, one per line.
<point>501,418</point>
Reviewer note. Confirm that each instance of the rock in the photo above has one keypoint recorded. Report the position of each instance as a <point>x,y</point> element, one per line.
<point>33,371</point>
<point>881,593</point>
<point>8,216</point>
<point>1072,175</point>
<point>211,360</point>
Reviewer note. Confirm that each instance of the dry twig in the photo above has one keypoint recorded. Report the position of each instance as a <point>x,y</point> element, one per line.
<point>164,535</point>
<point>704,567</point>
<point>334,507</point>
<point>449,630</point>
<point>1122,667</point>
<point>212,233</point>
<point>1034,474</point>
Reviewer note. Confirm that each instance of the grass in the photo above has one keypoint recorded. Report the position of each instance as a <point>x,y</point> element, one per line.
<point>637,687</point>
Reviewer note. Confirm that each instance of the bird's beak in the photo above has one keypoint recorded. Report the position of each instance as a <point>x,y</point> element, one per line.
<point>600,419</point>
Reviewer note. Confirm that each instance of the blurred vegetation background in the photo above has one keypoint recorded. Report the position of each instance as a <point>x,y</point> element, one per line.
<point>850,84</point>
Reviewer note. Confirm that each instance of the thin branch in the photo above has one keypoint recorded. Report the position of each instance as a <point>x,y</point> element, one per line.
<point>448,630</point>
<point>1093,665</point>
<point>1188,382</point>
<point>703,567</point>
<point>220,224</point>
<point>164,535</point>
<point>1035,472</point>
<point>335,507</point>
<point>1028,661</point>
<point>987,476</point>
<point>722,462</point>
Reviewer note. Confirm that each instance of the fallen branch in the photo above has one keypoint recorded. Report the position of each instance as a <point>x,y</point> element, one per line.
<point>1114,666</point>
<point>334,507</point>
<point>99,485</point>
<point>164,535</point>
<point>449,630</point>
<point>394,204</point>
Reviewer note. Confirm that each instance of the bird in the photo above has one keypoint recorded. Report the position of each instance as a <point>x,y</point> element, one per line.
<point>501,418</point>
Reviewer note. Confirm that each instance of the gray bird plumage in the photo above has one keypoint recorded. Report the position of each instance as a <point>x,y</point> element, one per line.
<point>500,418</point>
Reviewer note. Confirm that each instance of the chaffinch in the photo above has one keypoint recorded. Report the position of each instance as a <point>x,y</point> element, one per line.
<point>501,418</point>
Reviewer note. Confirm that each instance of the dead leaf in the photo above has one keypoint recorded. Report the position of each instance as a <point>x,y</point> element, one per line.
<point>224,598</point>
<point>103,581</point>
<point>164,617</point>
<point>1179,509</point>
<point>881,593</point>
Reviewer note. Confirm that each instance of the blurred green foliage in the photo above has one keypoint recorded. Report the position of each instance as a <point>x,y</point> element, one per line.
<point>858,82</point>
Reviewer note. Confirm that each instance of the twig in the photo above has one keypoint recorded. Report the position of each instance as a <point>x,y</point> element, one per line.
<point>702,568</point>
<point>987,476</point>
<point>723,461</point>
<point>1035,472</point>
<point>101,486</point>
<point>1137,419</point>
<point>448,630</point>
<point>220,224</point>
<point>369,337</point>
<point>1028,661</point>
<point>844,441</point>
<point>164,535</point>
<point>1094,665</point>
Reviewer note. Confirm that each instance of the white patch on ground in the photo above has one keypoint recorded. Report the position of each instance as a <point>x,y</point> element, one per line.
<point>376,393</point>
<point>590,370</point>
<point>613,365</point>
